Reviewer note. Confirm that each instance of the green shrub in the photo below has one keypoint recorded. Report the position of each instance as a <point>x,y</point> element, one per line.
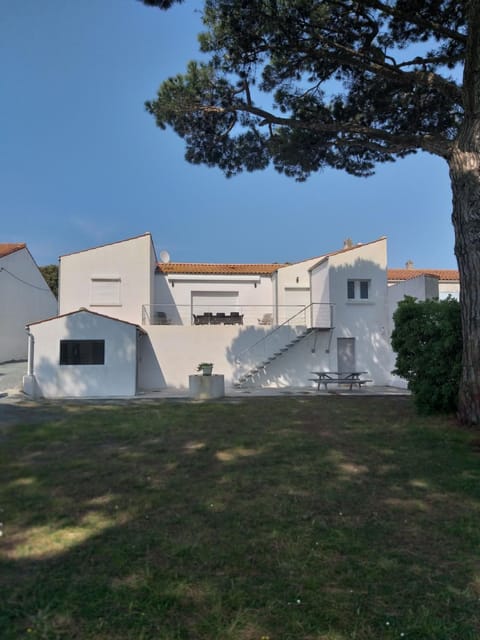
<point>428,342</point>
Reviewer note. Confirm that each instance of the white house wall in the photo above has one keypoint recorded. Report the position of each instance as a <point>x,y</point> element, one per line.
<point>117,377</point>
<point>293,288</point>
<point>131,262</point>
<point>320,292</point>
<point>446,289</point>
<point>169,354</point>
<point>294,367</point>
<point>253,295</point>
<point>26,298</point>
<point>423,287</point>
<point>364,320</point>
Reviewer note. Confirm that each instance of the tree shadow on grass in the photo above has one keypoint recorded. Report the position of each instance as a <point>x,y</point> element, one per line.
<point>287,518</point>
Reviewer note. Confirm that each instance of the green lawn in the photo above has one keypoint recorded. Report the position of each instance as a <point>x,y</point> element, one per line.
<point>317,518</point>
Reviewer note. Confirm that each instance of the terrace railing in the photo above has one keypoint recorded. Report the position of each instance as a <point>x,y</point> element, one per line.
<point>315,315</point>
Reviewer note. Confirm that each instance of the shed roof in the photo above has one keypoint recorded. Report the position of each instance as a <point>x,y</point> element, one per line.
<point>93,313</point>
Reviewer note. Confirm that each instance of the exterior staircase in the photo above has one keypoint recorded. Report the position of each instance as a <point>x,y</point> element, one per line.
<point>247,377</point>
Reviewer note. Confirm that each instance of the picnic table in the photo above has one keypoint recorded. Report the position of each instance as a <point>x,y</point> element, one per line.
<point>339,377</point>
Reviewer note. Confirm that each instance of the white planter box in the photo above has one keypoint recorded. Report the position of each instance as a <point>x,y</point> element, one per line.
<point>205,387</point>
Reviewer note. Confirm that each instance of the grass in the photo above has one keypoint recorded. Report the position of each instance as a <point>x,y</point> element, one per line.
<point>320,518</point>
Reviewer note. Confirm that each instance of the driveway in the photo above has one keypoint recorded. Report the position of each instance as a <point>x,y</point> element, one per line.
<point>11,374</point>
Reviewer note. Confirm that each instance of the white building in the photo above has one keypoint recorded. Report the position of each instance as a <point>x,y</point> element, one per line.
<point>448,279</point>
<point>25,297</point>
<point>260,324</point>
<point>82,354</point>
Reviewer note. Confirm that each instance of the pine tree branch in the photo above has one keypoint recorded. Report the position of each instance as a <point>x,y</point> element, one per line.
<point>434,27</point>
<point>436,60</point>
<point>391,72</point>
<point>355,133</point>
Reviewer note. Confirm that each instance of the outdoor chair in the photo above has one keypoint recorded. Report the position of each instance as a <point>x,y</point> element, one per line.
<point>267,318</point>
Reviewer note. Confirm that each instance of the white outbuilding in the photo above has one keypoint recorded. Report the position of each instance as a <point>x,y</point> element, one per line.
<point>82,354</point>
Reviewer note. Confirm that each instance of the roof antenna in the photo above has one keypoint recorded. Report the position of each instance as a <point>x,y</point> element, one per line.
<point>164,256</point>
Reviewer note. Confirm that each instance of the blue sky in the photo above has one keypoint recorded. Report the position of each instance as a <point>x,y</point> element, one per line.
<point>82,163</point>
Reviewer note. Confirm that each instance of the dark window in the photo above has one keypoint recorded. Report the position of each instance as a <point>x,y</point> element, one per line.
<point>82,351</point>
<point>364,289</point>
<point>351,289</point>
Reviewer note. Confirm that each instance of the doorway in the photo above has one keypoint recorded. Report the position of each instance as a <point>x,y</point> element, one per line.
<point>346,354</point>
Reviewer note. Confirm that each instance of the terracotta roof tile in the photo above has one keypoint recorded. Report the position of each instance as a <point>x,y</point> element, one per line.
<point>7,248</point>
<point>408,274</point>
<point>197,268</point>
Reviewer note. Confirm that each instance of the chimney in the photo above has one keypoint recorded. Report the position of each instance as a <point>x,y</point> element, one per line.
<point>347,243</point>
<point>409,264</point>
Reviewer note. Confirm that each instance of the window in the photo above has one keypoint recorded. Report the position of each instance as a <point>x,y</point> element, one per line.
<point>351,289</point>
<point>358,289</point>
<point>363,289</point>
<point>82,351</point>
<point>105,292</point>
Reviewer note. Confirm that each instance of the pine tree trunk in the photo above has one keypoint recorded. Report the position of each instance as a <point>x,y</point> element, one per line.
<point>464,163</point>
<point>464,166</point>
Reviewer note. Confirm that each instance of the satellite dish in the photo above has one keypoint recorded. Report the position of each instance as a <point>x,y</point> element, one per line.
<point>164,256</point>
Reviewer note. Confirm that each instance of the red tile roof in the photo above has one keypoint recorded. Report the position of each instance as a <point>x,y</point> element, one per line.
<point>7,248</point>
<point>407,274</point>
<point>195,268</point>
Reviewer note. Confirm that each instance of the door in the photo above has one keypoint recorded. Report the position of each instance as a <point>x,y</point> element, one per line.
<point>346,354</point>
<point>214,301</point>
<point>296,299</point>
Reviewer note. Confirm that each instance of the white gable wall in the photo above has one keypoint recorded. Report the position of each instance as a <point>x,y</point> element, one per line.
<point>26,298</point>
<point>114,280</point>
<point>117,377</point>
<point>365,320</point>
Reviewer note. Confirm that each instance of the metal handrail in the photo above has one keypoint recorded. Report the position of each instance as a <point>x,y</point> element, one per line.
<point>270,333</point>
<point>183,314</point>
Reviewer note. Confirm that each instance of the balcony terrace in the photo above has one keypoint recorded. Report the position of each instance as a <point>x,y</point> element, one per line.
<point>315,315</point>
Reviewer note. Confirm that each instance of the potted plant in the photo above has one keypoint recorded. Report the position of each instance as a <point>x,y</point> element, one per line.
<point>205,368</point>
